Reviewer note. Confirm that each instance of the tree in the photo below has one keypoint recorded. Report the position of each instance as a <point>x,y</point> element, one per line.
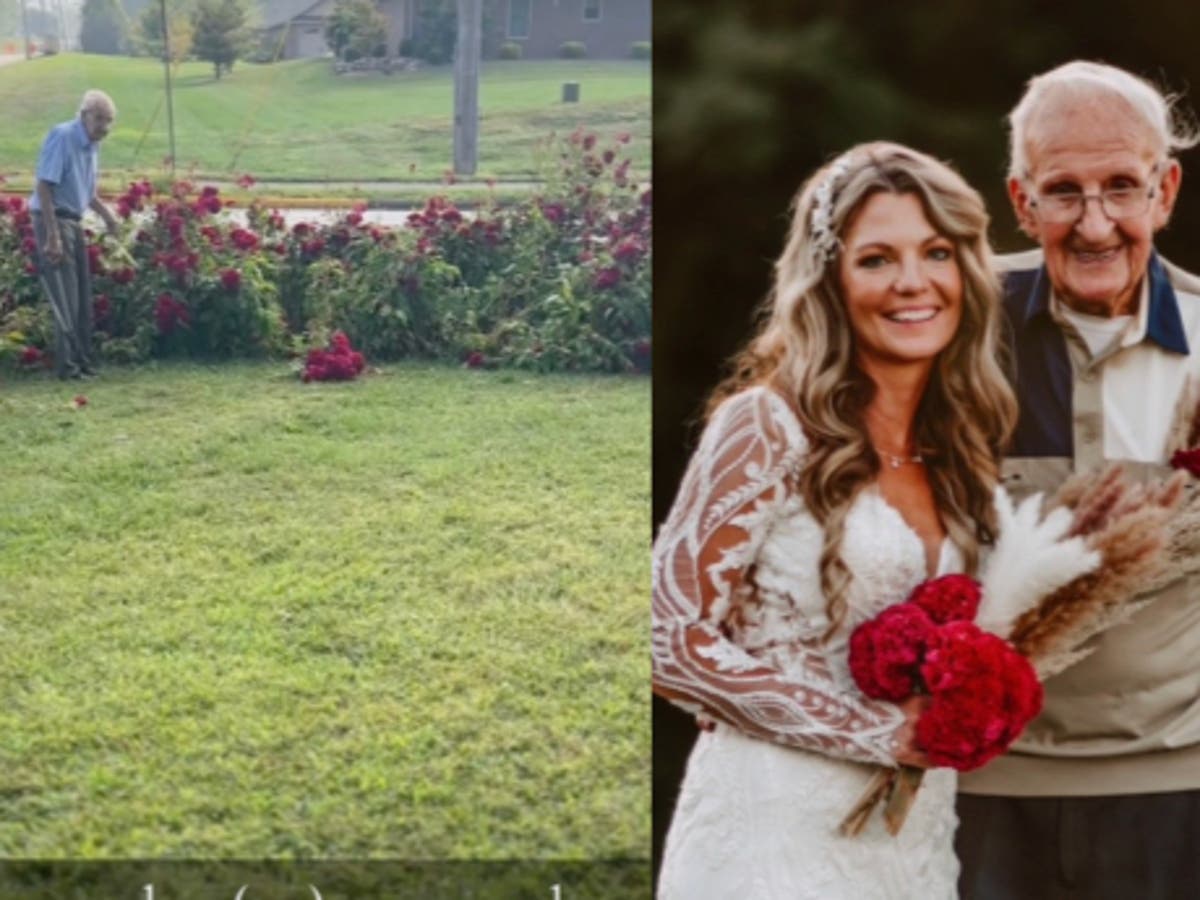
<point>356,29</point>
<point>436,32</point>
<point>149,34</point>
<point>103,28</point>
<point>220,34</point>
<point>10,17</point>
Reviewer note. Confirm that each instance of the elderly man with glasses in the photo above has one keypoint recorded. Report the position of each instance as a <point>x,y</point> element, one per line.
<point>1101,796</point>
<point>66,188</point>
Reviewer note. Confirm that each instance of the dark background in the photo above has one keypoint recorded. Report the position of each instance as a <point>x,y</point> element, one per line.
<point>751,97</point>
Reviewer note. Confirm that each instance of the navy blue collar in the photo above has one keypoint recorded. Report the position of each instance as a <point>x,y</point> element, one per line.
<point>1164,325</point>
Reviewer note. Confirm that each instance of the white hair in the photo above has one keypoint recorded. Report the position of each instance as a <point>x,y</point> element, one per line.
<point>1168,128</point>
<point>95,100</point>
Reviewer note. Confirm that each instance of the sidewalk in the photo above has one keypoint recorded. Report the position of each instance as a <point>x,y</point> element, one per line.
<point>383,195</point>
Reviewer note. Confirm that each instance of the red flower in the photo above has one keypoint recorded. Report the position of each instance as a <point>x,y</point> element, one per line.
<point>886,652</point>
<point>1187,459</point>
<point>340,362</point>
<point>630,250</point>
<point>607,278</point>
<point>951,598</point>
<point>95,264</point>
<point>984,693</point>
<point>169,313</point>
<point>243,239</point>
<point>101,307</point>
<point>231,279</point>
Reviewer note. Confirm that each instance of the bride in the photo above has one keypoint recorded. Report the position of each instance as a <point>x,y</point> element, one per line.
<point>852,455</point>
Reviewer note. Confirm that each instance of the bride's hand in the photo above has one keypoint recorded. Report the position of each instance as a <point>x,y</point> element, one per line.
<point>905,737</point>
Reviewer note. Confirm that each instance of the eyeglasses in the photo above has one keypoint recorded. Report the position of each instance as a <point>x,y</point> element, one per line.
<point>1068,204</point>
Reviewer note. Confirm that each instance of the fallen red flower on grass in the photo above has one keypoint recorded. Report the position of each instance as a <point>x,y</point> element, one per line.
<point>339,362</point>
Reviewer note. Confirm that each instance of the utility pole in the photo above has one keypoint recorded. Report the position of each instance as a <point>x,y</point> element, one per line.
<point>25,30</point>
<point>162,5</point>
<point>466,86</point>
<point>64,40</point>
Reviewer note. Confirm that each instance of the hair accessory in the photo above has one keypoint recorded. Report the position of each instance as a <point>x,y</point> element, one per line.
<point>824,240</point>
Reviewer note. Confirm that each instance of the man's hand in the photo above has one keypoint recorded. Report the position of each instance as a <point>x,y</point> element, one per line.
<point>53,251</point>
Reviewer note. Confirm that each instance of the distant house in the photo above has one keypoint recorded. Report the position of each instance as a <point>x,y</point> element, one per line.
<point>606,28</point>
<point>294,29</point>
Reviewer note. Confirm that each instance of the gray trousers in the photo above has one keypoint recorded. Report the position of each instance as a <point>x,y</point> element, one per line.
<point>1130,847</point>
<point>68,287</point>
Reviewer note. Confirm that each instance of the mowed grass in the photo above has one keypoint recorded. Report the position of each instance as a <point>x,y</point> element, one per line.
<point>404,617</point>
<point>297,120</point>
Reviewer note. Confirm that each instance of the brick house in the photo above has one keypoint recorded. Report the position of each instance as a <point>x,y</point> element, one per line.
<point>606,28</point>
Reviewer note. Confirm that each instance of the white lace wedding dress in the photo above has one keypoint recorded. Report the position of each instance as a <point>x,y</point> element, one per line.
<point>738,620</point>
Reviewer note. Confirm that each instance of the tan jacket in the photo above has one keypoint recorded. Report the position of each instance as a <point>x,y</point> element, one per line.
<point>1127,718</point>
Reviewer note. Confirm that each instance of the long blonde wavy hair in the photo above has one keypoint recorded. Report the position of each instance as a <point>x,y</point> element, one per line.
<point>805,349</point>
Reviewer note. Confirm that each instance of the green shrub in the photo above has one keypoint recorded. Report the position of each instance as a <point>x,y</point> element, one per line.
<point>639,50</point>
<point>559,281</point>
<point>510,50</point>
<point>572,50</point>
<point>436,33</point>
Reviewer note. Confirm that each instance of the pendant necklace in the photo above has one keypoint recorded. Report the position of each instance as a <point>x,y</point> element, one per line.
<point>895,461</point>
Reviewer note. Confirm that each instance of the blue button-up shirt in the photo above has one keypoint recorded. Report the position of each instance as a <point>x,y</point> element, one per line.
<point>68,162</point>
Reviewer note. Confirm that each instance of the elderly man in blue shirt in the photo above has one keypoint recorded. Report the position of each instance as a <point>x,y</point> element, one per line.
<point>66,188</point>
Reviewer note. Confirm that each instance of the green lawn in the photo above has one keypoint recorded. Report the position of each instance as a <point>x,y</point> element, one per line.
<point>298,120</point>
<point>404,617</point>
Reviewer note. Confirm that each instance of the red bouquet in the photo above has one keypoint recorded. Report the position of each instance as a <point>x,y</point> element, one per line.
<point>1051,582</point>
<point>983,692</point>
<point>340,362</point>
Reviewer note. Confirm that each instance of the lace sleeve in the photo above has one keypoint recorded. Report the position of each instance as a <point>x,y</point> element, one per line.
<point>734,487</point>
